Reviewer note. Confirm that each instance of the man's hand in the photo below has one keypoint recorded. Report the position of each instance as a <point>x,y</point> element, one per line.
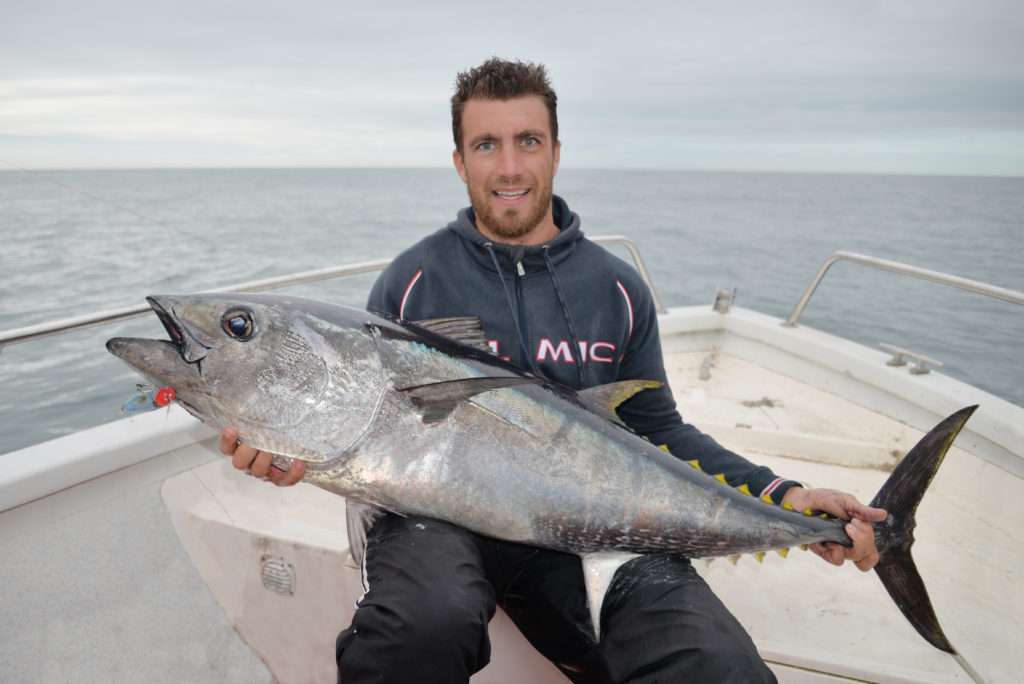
<point>860,528</point>
<point>257,462</point>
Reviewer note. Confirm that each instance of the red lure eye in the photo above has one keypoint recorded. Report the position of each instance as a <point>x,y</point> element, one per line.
<point>164,396</point>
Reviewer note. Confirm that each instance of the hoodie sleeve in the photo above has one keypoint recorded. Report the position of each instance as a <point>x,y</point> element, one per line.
<point>393,289</point>
<point>381,298</point>
<point>653,414</point>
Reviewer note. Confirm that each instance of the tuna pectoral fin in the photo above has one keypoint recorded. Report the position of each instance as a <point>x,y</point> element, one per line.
<point>598,570</point>
<point>900,496</point>
<point>437,399</point>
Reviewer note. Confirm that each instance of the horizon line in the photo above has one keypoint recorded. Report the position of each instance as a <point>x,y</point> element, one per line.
<point>13,168</point>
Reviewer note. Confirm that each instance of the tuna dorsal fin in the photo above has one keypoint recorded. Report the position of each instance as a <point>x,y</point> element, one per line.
<point>466,330</point>
<point>437,399</point>
<point>604,399</point>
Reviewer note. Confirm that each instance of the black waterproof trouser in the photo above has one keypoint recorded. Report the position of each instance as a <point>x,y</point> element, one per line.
<point>432,588</point>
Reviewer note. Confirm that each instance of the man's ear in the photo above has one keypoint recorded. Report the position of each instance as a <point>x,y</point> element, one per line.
<point>460,165</point>
<point>557,155</point>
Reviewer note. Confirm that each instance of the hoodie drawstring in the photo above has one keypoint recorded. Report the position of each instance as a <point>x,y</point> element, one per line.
<point>512,309</point>
<point>576,348</point>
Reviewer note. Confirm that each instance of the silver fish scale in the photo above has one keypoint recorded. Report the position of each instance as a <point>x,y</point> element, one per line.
<point>515,407</point>
<point>409,364</point>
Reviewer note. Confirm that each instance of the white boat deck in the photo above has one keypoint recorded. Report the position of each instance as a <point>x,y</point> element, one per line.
<point>803,611</point>
<point>98,586</point>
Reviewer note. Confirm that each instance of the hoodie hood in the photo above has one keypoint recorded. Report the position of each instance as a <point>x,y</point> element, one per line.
<point>559,248</point>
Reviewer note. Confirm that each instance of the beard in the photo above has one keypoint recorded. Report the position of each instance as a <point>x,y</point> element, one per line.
<point>510,223</point>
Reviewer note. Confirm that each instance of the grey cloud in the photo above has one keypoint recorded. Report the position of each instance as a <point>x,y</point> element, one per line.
<point>252,81</point>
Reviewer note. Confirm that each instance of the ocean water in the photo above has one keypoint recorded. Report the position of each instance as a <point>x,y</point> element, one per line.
<point>73,242</point>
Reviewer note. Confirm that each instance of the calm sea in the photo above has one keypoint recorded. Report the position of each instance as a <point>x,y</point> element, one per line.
<point>79,241</point>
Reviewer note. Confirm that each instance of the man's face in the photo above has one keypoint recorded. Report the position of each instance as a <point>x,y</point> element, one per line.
<point>508,163</point>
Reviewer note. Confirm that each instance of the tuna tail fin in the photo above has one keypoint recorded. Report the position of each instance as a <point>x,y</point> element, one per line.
<point>900,496</point>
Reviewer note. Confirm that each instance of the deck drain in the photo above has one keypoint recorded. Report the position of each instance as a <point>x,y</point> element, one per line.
<point>278,575</point>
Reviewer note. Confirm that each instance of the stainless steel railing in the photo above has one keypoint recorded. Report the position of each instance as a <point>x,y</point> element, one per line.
<point>34,332</point>
<point>975,286</point>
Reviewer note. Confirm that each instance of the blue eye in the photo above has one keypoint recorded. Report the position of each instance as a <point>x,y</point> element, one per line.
<point>238,324</point>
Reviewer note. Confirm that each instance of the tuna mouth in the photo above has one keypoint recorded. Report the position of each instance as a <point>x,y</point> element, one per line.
<point>191,349</point>
<point>170,325</point>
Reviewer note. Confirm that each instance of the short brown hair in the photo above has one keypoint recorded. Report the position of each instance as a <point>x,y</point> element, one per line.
<point>501,79</point>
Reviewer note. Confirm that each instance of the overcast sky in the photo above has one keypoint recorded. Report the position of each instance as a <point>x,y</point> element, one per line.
<point>922,86</point>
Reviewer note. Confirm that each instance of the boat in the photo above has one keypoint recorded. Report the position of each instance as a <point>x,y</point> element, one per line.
<point>134,551</point>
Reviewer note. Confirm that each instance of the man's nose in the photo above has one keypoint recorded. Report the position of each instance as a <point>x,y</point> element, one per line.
<point>509,162</point>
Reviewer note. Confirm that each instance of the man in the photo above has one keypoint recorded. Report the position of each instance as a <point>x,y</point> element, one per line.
<point>553,302</point>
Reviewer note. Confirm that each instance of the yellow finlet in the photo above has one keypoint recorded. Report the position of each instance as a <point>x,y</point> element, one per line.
<point>664,447</point>
<point>610,396</point>
<point>804,547</point>
<point>695,464</point>
<point>782,552</point>
<point>721,478</point>
<point>734,559</point>
<point>824,516</point>
<point>808,511</point>
<point>767,499</point>
<point>788,506</point>
<point>759,556</point>
<point>744,489</point>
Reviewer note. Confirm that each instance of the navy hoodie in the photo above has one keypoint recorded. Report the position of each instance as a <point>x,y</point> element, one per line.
<point>568,310</point>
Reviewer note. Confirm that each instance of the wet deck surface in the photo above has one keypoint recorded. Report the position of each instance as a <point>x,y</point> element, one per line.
<point>106,594</point>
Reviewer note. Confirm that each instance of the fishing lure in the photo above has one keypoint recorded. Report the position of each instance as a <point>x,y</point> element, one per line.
<point>147,398</point>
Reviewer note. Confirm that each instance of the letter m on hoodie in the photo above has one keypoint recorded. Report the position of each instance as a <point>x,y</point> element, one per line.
<point>562,352</point>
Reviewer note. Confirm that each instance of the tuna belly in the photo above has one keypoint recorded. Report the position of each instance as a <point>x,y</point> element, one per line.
<point>690,521</point>
<point>441,471</point>
<point>526,472</point>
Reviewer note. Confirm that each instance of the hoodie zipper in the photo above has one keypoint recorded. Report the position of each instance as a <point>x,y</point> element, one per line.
<point>524,330</point>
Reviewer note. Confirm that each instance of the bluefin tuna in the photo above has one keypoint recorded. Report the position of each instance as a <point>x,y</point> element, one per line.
<point>419,418</point>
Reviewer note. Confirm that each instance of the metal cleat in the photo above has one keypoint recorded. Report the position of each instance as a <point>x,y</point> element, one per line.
<point>723,300</point>
<point>919,363</point>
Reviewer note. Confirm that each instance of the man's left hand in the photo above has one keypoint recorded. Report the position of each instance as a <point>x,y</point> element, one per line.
<point>860,526</point>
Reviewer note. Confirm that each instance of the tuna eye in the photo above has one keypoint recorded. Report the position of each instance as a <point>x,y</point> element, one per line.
<point>238,324</point>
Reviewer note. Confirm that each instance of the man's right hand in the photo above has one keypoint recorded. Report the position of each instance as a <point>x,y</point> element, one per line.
<point>257,462</point>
